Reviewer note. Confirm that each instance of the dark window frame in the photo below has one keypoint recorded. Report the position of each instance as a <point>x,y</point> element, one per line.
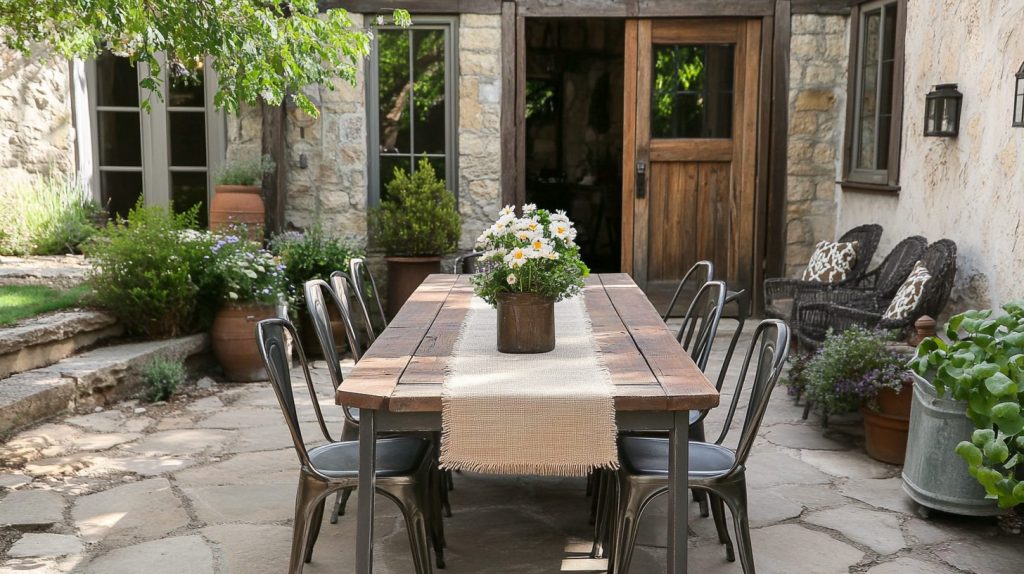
<point>886,180</point>
<point>450,24</point>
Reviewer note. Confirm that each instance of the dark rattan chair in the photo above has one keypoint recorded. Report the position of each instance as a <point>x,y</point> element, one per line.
<point>781,296</point>
<point>866,309</point>
<point>718,470</point>
<point>365,288</point>
<point>403,464</point>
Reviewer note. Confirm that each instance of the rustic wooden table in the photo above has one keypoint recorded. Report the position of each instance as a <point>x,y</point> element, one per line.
<point>397,385</point>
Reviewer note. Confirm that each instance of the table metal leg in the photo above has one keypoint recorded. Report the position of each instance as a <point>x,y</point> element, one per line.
<point>678,511</point>
<point>367,490</point>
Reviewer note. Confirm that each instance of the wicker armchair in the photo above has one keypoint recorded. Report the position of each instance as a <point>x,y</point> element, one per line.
<point>851,308</point>
<point>781,295</point>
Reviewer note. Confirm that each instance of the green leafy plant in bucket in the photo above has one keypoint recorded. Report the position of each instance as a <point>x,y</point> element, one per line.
<point>161,378</point>
<point>982,364</point>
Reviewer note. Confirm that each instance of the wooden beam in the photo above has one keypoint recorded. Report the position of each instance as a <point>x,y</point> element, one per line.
<point>509,138</point>
<point>520,119</point>
<point>821,6</point>
<point>775,256</point>
<point>704,8</point>
<point>272,143</point>
<point>415,6</point>
<point>764,110</point>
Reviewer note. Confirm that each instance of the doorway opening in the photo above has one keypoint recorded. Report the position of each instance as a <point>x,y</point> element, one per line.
<point>574,127</point>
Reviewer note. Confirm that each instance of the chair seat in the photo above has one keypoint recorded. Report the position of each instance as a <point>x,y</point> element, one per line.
<point>395,457</point>
<point>649,456</point>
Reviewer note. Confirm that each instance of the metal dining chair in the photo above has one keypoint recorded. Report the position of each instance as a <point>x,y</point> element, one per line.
<point>716,469</point>
<point>403,464</point>
<point>365,287</point>
<point>700,273</point>
<point>341,284</point>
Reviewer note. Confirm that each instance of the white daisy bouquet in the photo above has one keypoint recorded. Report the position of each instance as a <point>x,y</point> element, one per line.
<point>535,253</point>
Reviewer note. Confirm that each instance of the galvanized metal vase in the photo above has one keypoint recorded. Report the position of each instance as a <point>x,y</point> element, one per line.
<point>526,323</point>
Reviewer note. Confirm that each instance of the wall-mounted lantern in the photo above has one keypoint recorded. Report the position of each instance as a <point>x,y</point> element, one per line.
<point>1018,99</point>
<point>942,111</point>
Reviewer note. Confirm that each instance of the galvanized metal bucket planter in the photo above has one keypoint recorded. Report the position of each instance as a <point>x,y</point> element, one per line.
<point>526,323</point>
<point>934,475</point>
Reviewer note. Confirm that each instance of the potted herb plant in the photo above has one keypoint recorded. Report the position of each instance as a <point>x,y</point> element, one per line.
<point>534,262</point>
<point>238,197</point>
<point>857,369</point>
<point>251,283</point>
<point>312,254</point>
<point>967,401</point>
<point>415,225</point>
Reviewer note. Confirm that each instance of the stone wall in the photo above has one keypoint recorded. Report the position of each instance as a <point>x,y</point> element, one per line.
<point>817,94</point>
<point>36,132</point>
<point>968,189</point>
<point>479,123</point>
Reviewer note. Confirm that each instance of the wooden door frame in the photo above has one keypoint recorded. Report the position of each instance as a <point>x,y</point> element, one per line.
<point>773,102</point>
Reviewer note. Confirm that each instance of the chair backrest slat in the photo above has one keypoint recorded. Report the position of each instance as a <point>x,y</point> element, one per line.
<point>366,287</point>
<point>341,283</point>
<point>767,354</point>
<point>700,325</point>
<point>700,273</point>
<point>318,293</point>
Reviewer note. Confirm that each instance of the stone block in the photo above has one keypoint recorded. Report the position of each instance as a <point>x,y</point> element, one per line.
<point>45,546</point>
<point>31,509</point>
<point>480,63</point>
<point>816,100</point>
<point>168,556</point>
<point>879,531</point>
<point>803,123</point>
<point>32,396</point>
<point>47,339</point>
<point>793,548</point>
<point>134,511</point>
<point>480,21</point>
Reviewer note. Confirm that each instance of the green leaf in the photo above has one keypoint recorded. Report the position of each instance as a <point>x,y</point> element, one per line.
<point>989,478</point>
<point>1018,492</point>
<point>984,370</point>
<point>1007,417</point>
<point>997,451</point>
<point>981,437</point>
<point>970,453</point>
<point>1000,385</point>
<point>1015,339</point>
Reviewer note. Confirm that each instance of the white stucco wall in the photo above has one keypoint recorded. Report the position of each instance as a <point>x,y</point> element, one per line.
<point>969,189</point>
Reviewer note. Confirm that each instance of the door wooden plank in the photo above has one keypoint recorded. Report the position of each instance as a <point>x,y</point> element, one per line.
<point>709,31</point>
<point>629,144</point>
<point>747,208</point>
<point>643,140</point>
<point>704,149</point>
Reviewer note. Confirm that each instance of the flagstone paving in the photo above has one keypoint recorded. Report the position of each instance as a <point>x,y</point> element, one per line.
<point>206,483</point>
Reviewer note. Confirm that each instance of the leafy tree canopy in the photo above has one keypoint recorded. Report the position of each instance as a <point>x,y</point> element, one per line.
<point>261,49</point>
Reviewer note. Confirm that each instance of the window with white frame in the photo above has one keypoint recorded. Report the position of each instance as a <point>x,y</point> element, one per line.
<point>166,156</point>
<point>411,96</point>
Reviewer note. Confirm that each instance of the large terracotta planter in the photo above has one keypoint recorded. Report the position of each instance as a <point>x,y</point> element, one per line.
<point>885,430</point>
<point>526,323</point>
<point>404,275</point>
<point>233,338</point>
<point>238,204</point>
<point>311,343</point>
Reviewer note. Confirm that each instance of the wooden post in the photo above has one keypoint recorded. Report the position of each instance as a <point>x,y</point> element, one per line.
<point>923,328</point>
<point>272,143</point>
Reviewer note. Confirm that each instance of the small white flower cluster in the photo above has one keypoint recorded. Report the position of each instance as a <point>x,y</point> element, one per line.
<point>532,239</point>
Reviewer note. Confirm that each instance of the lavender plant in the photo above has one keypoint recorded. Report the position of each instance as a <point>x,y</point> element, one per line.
<point>850,369</point>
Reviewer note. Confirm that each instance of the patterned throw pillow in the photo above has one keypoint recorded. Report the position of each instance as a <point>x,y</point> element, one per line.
<point>831,262</point>
<point>908,295</point>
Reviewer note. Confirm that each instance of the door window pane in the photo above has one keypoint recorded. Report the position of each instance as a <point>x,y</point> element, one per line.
<point>188,188</point>
<point>186,89</point>
<point>692,91</point>
<point>187,132</point>
<point>121,190</point>
<point>395,91</point>
<point>119,138</point>
<point>428,91</point>
<point>117,83</point>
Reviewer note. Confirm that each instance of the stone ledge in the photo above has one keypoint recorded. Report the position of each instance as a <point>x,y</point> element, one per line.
<point>44,340</point>
<point>62,271</point>
<point>94,378</point>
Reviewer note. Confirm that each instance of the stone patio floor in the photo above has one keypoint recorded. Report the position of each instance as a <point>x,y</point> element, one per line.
<point>206,484</point>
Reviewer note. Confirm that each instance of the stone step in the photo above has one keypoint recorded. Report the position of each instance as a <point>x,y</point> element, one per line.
<point>94,378</point>
<point>42,341</point>
<point>63,271</point>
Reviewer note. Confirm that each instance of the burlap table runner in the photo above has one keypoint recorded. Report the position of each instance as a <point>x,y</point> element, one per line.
<point>543,414</point>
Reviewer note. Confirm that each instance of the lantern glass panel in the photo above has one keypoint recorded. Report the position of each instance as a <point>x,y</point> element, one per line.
<point>1018,100</point>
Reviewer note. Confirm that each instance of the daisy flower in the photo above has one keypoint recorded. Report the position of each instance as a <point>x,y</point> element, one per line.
<point>517,258</point>
<point>511,279</point>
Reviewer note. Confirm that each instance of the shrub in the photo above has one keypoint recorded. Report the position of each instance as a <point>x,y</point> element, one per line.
<point>161,379</point>
<point>418,218</point>
<point>51,215</point>
<point>245,171</point>
<point>310,255</point>
<point>241,271</point>
<point>148,271</point>
<point>849,370</point>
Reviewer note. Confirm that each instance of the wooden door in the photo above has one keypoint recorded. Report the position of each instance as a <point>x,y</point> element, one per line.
<point>689,150</point>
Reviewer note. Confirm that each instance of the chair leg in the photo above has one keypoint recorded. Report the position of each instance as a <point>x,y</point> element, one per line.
<point>599,510</point>
<point>314,530</point>
<point>718,510</point>
<point>340,502</point>
<point>634,499</point>
<point>807,409</point>
<point>736,497</point>
<point>308,496</point>
<point>699,496</point>
<point>451,483</point>
<point>436,483</point>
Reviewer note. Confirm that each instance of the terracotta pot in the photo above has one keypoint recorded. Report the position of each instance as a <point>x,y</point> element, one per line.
<point>404,275</point>
<point>311,343</point>
<point>233,338</point>
<point>526,323</point>
<point>885,430</point>
<point>238,204</point>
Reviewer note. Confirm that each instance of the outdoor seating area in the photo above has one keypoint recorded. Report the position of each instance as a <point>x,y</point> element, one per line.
<point>511,287</point>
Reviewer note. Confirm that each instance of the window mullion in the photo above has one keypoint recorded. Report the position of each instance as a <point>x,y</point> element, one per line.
<point>412,103</point>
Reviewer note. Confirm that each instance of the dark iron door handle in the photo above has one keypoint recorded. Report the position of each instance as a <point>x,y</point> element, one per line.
<point>641,179</point>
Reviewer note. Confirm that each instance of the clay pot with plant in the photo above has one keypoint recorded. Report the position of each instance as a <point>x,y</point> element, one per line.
<point>238,197</point>
<point>416,224</point>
